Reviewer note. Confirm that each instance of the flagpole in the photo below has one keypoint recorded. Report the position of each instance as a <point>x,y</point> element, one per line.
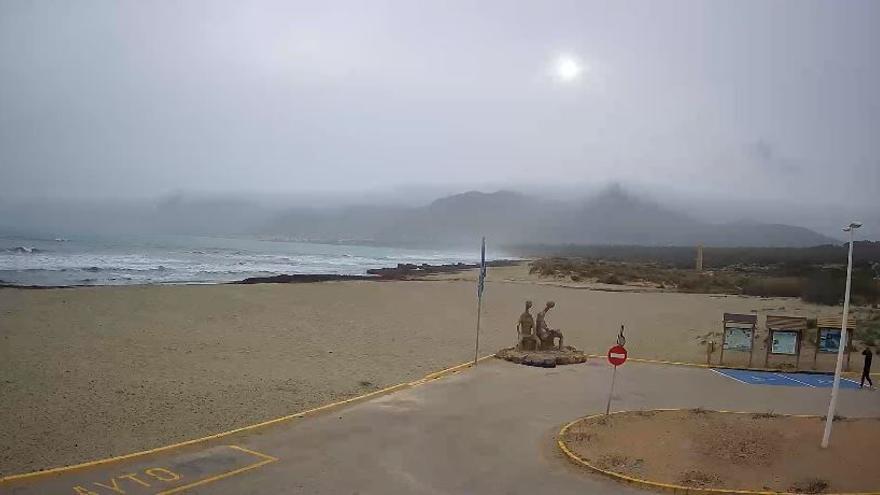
<point>479,309</point>
<point>480,283</point>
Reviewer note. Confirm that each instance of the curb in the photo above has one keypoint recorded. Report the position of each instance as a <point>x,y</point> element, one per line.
<point>726,367</point>
<point>298,415</point>
<point>668,487</point>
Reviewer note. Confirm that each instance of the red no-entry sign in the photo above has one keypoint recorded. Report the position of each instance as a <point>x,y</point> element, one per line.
<point>617,355</point>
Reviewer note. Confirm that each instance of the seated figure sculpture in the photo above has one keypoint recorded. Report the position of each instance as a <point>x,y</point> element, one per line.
<point>536,342</point>
<point>526,338</point>
<point>544,332</point>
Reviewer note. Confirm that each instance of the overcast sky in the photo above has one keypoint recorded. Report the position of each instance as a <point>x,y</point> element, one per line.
<point>109,99</point>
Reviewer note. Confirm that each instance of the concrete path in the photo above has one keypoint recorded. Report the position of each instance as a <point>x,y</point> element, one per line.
<point>485,430</point>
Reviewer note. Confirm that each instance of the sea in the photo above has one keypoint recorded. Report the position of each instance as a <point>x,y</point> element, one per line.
<point>158,259</point>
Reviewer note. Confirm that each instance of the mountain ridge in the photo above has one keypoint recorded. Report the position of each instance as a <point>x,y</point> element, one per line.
<point>612,216</point>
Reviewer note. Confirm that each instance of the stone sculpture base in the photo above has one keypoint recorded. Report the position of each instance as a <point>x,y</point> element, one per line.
<point>543,359</point>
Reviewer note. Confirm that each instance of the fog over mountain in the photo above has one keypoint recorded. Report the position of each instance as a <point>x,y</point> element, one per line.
<point>745,111</point>
<point>611,215</point>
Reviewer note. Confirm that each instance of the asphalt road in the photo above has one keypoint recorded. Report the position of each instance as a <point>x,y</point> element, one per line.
<point>485,430</point>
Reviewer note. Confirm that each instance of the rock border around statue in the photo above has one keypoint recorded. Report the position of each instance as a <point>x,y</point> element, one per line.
<point>543,359</point>
<point>536,342</point>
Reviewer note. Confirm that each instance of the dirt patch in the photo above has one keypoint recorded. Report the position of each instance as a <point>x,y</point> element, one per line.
<point>707,449</point>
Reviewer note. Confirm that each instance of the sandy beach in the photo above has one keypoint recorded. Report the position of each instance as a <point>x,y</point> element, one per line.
<point>93,372</point>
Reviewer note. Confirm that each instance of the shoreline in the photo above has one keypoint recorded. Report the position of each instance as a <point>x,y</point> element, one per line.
<point>403,271</point>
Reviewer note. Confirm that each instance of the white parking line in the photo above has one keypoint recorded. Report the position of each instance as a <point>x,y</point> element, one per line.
<point>794,380</point>
<point>728,376</point>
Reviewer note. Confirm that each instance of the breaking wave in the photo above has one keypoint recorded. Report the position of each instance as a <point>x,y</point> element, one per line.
<point>194,260</point>
<point>22,250</point>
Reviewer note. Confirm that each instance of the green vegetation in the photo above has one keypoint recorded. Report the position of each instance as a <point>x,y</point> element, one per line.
<point>765,415</point>
<point>812,485</point>
<point>868,330</point>
<point>788,261</point>
<point>813,282</point>
<point>618,273</point>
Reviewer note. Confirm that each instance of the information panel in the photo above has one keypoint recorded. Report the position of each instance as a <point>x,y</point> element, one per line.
<point>829,339</point>
<point>738,339</point>
<point>784,342</point>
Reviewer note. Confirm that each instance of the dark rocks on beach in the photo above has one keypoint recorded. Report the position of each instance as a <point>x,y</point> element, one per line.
<point>403,271</point>
<point>406,270</point>
<point>300,279</point>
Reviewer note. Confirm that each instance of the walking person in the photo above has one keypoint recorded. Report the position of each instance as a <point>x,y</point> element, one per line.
<point>866,372</point>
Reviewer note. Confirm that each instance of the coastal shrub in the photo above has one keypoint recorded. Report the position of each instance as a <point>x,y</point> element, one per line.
<point>824,287</point>
<point>611,279</point>
<point>795,278</point>
<point>765,415</point>
<point>868,330</point>
<point>790,261</point>
<point>707,283</point>
<point>773,287</point>
<point>865,288</point>
<point>812,485</point>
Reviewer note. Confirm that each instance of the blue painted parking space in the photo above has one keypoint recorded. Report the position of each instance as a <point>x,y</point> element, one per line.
<point>810,380</point>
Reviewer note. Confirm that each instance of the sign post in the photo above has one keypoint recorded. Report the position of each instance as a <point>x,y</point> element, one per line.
<point>480,285</point>
<point>616,356</point>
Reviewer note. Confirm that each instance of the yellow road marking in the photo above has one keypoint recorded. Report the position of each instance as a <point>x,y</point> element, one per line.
<point>253,452</point>
<point>266,459</point>
<point>99,462</point>
<point>641,483</point>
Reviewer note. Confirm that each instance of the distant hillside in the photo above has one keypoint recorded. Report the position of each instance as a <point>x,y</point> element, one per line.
<point>503,216</point>
<point>615,217</point>
<point>865,254</point>
<point>611,217</point>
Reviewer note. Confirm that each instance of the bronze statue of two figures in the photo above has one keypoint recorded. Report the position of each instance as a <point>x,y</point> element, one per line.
<point>535,334</point>
<point>538,344</point>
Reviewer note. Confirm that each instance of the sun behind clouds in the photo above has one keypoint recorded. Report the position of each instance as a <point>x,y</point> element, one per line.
<point>567,68</point>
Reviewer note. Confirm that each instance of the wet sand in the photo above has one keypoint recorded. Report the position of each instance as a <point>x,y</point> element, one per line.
<point>91,372</point>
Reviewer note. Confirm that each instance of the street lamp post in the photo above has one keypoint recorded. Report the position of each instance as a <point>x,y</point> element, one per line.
<point>841,347</point>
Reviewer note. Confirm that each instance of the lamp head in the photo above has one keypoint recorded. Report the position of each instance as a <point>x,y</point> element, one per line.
<point>852,226</point>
